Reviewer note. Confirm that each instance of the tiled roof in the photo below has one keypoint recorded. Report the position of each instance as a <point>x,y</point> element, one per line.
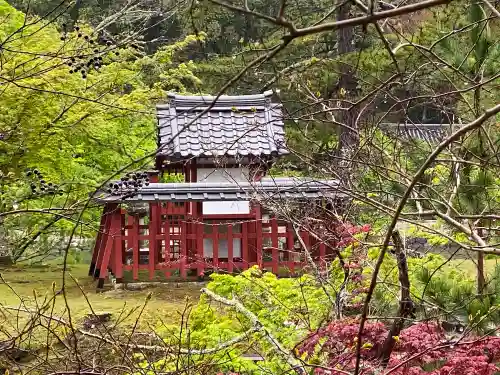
<point>431,133</point>
<point>267,188</point>
<point>234,126</point>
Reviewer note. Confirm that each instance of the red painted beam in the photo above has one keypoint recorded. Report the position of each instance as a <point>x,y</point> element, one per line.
<point>228,216</point>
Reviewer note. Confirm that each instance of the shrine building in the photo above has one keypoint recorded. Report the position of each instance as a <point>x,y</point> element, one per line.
<point>226,214</point>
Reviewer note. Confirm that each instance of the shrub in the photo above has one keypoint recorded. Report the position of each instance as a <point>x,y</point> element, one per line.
<point>422,348</point>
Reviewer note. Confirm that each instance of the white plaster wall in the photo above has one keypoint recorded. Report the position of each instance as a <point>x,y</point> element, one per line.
<point>223,174</point>
<point>233,175</point>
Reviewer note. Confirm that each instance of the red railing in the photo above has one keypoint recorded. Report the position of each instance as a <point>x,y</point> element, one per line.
<point>179,240</point>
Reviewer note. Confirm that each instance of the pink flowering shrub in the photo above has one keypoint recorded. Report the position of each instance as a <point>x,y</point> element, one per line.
<point>420,349</point>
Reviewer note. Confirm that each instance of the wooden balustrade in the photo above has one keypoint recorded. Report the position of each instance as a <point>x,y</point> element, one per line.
<point>179,242</point>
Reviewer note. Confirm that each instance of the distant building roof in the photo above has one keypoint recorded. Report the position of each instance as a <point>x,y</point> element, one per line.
<point>237,126</point>
<point>267,188</point>
<point>431,133</point>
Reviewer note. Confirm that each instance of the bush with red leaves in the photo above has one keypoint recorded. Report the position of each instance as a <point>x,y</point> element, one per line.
<point>421,349</point>
<point>343,233</point>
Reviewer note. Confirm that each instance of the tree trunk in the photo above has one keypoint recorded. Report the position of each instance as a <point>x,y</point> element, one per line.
<point>406,306</point>
<point>4,249</point>
<point>480,42</point>
<point>480,268</point>
<point>346,89</point>
<point>480,273</point>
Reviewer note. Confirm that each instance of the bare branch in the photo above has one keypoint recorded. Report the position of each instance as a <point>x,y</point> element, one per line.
<point>467,128</point>
<point>278,347</point>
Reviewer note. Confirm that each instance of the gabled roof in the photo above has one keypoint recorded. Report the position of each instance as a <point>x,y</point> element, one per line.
<point>237,126</point>
<point>267,188</point>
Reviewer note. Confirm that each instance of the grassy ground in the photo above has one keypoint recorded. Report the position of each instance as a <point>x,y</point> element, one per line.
<point>166,303</point>
<point>21,284</point>
<point>469,266</point>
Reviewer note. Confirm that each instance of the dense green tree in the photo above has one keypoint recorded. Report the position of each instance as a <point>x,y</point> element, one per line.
<point>74,109</point>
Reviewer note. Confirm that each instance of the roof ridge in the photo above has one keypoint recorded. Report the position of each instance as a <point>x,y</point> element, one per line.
<point>266,94</point>
<point>229,101</point>
<point>414,125</point>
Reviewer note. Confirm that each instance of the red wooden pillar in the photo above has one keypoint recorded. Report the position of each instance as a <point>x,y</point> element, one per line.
<point>113,236</point>
<point>104,239</point>
<point>196,210</point>
<point>186,170</point>
<point>124,236</point>
<point>199,249</point>
<point>154,230</point>
<point>258,225</point>
<point>215,245</point>
<point>194,213</point>
<point>183,249</point>
<point>134,239</point>
<point>252,239</point>
<point>166,232</point>
<point>274,244</point>
<point>111,264</point>
<point>153,177</point>
<point>103,270</point>
<point>244,244</point>
<point>190,209</point>
<point>189,240</point>
<point>290,244</point>
<point>306,238</point>
<point>99,240</point>
<point>230,261</point>
<point>118,250</point>
<point>322,252</point>
<point>154,217</point>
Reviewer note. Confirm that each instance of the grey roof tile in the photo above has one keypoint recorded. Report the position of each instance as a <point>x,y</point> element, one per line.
<point>430,133</point>
<point>235,125</point>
